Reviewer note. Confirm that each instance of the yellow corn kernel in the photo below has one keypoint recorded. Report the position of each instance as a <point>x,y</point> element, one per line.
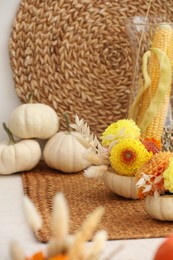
<point>163,40</point>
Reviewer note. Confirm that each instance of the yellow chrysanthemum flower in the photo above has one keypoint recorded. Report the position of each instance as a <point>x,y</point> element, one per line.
<point>121,129</point>
<point>128,155</point>
<point>168,177</point>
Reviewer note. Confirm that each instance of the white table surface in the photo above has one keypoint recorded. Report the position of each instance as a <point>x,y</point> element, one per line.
<point>12,218</point>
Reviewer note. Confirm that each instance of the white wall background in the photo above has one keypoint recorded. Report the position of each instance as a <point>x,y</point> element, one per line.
<point>8,97</point>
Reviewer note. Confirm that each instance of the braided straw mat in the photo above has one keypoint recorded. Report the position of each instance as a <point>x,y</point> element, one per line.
<point>123,218</point>
<point>74,55</point>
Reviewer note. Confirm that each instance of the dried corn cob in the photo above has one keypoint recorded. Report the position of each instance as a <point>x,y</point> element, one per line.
<point>163,41</point>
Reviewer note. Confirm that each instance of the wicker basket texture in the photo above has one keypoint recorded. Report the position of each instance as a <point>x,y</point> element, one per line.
<point>74,55</point>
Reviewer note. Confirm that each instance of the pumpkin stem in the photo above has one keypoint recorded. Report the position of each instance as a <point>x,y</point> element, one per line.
<point>67,122</point>
<point>9,133</point>
<point>30,98</point>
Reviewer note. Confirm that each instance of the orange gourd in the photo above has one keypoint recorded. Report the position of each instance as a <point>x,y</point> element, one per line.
<point>165,251</point>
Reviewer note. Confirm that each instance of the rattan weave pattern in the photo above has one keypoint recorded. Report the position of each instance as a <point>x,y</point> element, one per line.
<point>74,55</point>
<point>123,218</point>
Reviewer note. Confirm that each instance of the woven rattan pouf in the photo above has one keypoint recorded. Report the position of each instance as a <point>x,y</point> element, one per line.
<point>74,55</point>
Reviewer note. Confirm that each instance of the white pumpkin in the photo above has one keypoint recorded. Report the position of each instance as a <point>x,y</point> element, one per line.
<point>65,152</point>
<point>21,156</point>
<point>124,186</point>
<point>33,120</point>
<point>160,208</point>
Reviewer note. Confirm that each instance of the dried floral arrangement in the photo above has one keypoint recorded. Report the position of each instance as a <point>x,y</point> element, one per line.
<point>122,150</point>
<point>62,245</point>
<point>125,152</point>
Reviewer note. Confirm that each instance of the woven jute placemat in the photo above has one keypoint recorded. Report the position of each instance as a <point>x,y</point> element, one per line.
<point>123,218</point>
<point>74,55</point>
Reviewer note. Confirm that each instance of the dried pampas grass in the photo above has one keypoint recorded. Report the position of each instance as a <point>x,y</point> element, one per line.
<point>85,233</point>
<point>95,171</point>
<point>33,216</point>
<point>16,251</point>
<point>62,243</point>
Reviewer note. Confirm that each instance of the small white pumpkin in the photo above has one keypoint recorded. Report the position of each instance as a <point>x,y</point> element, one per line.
<point>33,120</point>
<point>18,156</point>
<point>160,208</point>
<point>124,186</point>
<point>65,152</point>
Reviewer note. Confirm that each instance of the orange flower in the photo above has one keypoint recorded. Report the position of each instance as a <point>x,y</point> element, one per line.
<point>150,176</point>
<point>37,256</point>
<point>40,256</point>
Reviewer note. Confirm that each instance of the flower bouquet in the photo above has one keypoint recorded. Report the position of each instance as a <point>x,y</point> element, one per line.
<point>127,152</point>
<point>123,153</point>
